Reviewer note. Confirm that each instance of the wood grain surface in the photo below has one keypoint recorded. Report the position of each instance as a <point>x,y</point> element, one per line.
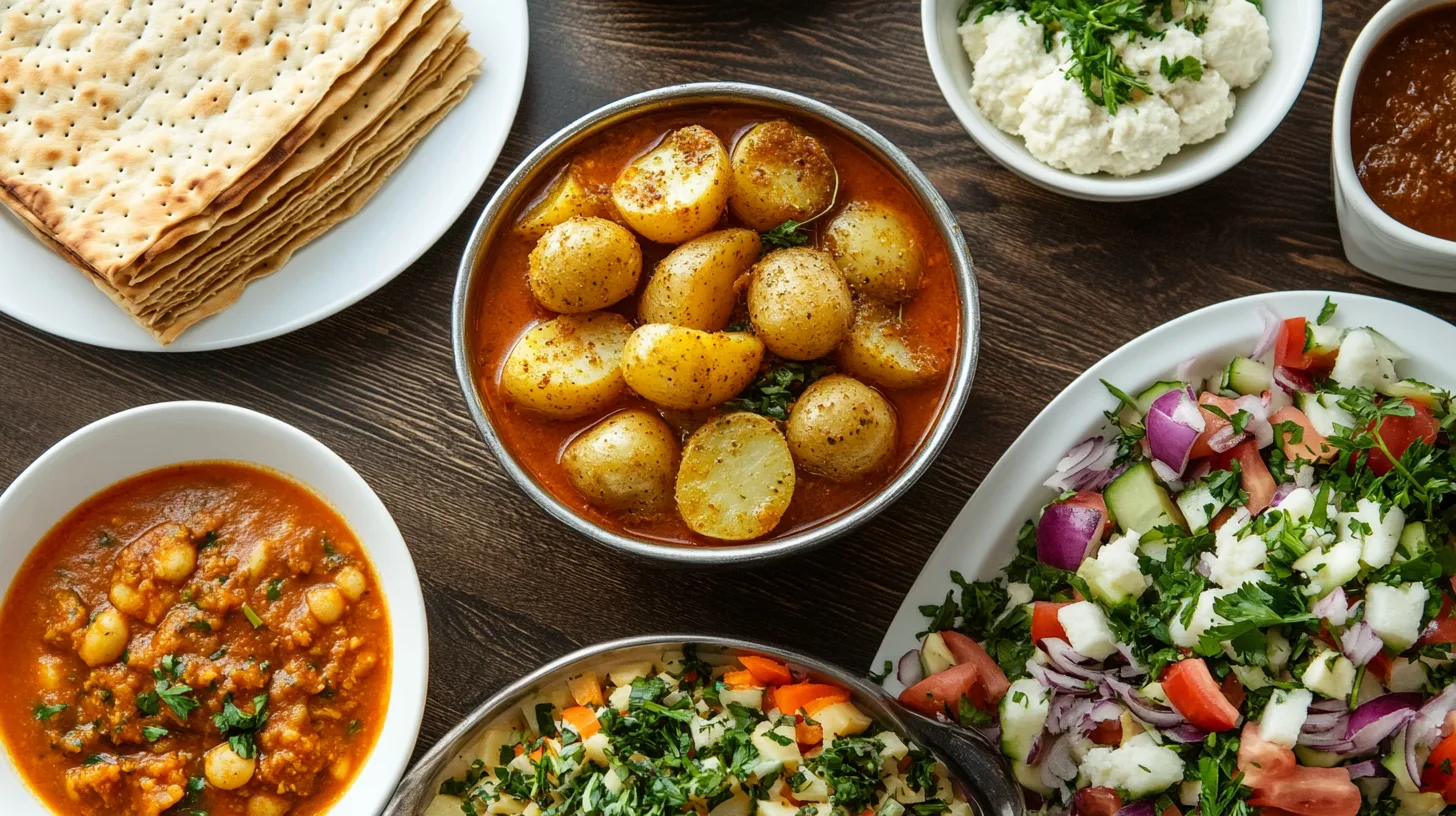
<point>1062,282</point>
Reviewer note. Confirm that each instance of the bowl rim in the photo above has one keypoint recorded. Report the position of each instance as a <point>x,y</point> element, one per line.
<point>699,93</point>
<point>409,679</point>
<point>1100,186</point>
<point>1392,14</point>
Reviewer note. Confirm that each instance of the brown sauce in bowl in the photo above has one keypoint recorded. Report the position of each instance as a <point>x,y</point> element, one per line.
<point>1403,123</point>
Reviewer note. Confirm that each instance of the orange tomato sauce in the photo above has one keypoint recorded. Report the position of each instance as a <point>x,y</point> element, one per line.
<point>503,309</point>
<point>102,739</point>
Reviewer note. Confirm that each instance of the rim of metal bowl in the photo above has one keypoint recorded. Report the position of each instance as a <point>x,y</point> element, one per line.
<point>506,198</point>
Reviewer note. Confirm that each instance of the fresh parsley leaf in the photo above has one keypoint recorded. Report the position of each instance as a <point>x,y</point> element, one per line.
<point>1327,311</point>
<point>774,391</point>
<point>275,589</point>
<point>239,726</point>
<point>1189,67</point>
<point>45,712</point>
<point>152,733</point>
<point>252,616</point>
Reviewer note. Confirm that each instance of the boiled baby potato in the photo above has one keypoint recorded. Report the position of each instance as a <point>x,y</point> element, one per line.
<point>780,173</point>
<point>568,367</point>
<point>878,350</point>
<point>737,478</point>
<point>684,368</point>
<point>677,191</point>
<point>566,197</point>
<point>842,429</point>
<point>799,303</point>
<point>694,285</point>
<point>876,250</point>
<point>584,264</point>
<point>627,462</point>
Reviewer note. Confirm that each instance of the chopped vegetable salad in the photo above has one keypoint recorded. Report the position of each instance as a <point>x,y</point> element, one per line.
<point>690,734</point>
<point>1239,599</point>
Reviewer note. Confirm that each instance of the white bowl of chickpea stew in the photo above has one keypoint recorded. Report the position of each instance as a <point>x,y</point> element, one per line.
<point>206,610</point>
<point>716,324</point>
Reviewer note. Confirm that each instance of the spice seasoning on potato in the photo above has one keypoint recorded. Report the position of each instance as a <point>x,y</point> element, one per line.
<point>876,251</point>
<point>695,285</point>
<point>627,462</point>
<point>799,303</point>
<point>841,429</point>
<point>679,190</point>
<point>568,367</point>
<point>878,350</point>
<point>780,173</point>
<point>584,264</point>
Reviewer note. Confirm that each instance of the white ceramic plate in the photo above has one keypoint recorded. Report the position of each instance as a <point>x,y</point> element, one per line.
<point>410,212</point>
<point>982,539</point>
<point>124,444</point>
<point>1294,31</point>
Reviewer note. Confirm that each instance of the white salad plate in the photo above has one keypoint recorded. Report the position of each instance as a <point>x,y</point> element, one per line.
<point>1294,34</point>
<point>152,436</point>
<point>408,214</point>
<point>982,539</point>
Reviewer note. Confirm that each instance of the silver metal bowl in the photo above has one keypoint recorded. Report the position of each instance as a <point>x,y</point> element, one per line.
<point>975,765</point>
<point>549,156</point>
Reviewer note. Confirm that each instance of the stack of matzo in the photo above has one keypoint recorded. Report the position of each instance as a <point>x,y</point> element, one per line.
<point>175,150</point>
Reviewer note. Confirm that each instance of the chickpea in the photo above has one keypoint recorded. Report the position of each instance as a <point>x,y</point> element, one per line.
<point>258,559</point>
<point>51,672</point>
<point>174,559</point>
<point>105,638</point>
<point>351,582</point>
<point>266,804</point>
<point>325,603</point>
<point>129,600</point>
<point>226,770</point>
<point>340,768</point>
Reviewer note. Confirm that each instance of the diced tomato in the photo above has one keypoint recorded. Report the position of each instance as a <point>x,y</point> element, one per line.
<point>1254,476</point>
<point>1212,423</point>
<point>1097,802</point>
<point>1441,630</point>
<point>1398,432</point>
<point>942,691</point>
<point>1289,347</point>
<point>992,684</point>
<point>1192,691</point>
<point>1094,501</point>
<point>1220,518</point>
<point>1311,447</point>
<point>1107,732</point>
<point>1232,690</point>
<point>1171,810</point>
<point>1379,666</point>
<point>1439,773</point>
<point>1045,623</point>
<point>1261,761</point>
<point>1311,792</point>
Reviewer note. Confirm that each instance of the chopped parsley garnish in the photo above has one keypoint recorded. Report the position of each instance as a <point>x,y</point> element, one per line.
<point>773,392</point>
<point>152,733</point>
<point>1327,311</point>
<point>239,726</point>
<point>166,692</point>
<point>1189,67</point>
<point>275,589</point>
<point>785,236</point>
<point>252,616</point>
<point>45,712</point>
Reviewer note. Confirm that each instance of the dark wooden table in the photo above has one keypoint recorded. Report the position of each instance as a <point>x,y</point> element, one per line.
<point>1063,283</point>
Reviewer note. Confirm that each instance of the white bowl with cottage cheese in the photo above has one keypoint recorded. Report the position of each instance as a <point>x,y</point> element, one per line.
<point>1241,71</point>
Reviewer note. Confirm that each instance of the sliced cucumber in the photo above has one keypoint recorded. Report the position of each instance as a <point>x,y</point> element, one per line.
<point>1145,399</point>
<point>1198,506</point>
<point>1139,503</point>
<point>935,656</point>
<point>1311,758</point>
<point>1395,763</point>
<point>1023,716</point>
<point>1322,340</point>
<point>1030,777</point>
<point>1412,391</point>
<point>1413,539</point>
<point>1386,347</point>
<point>1246,376</point>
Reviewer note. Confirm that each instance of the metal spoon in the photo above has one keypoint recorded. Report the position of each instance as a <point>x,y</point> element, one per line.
<point>975,764</point>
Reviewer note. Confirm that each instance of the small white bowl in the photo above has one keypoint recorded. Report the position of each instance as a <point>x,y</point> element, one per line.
<point>1374,241</point>
<point>141,439</point>
<point>1294,31</point>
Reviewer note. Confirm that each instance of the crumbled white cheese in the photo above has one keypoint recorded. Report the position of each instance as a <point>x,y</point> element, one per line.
<point>1361,364</point>
<point>1236,41</point>
<point>1010,55</point>
<point>1203,618</point>
<point>1331,674</point>
<point>1395,612</point>
<point>1385,526</point>
<point>1204,107</point>
<point>1237,559</point>
<point>1284,716</point>
<point>1087,630</point>
<point>1113,575</point>
<point>1140,766</point>
<point>1325,569</point>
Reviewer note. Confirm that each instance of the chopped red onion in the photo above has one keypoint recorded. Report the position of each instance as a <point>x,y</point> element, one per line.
<point>1360,643</point>
<point>1282,492</point>
<point>1203,468</point>
<point>1133,668</point>
<point>1087,466</point>
<point>1067,534</point>
<point>1061,682</point>
<point>1224,439</point>
<point>1204,566</point>
<point>1321,721</point>
<point>1366,768</point>
<point>1059,768</point>
<point>1328,705</point>
<point>1142,807</point>
<point>1067,660</point>
<point>909,671</point>
<point>1426,728</point>
<point>1291,380</point>
<point>1104,710</point>
<point>1413,762</point>
<point>1271,331</point>
<point>1173,424</point>
<point>1034,755</point>
<point>1184,371</point>
<point>1333,607</point>
<point>1373,722</point>
<point>1066,711</point>
<point>1150,713</point>
<point>1187,732</point>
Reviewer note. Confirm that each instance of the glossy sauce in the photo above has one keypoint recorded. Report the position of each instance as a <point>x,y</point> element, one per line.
<point>504,309</point>
<point>261,541</point>
<point>1403,123</point>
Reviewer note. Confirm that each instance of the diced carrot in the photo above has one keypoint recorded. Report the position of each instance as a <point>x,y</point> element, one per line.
<point>583,720</point>
<point>767,672</point>
<point>817,705</point>
<point>793,698</point>
<point>806,734</point>
<point>537,754</point>
<point>740,680</point>
<point>586,689</point>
